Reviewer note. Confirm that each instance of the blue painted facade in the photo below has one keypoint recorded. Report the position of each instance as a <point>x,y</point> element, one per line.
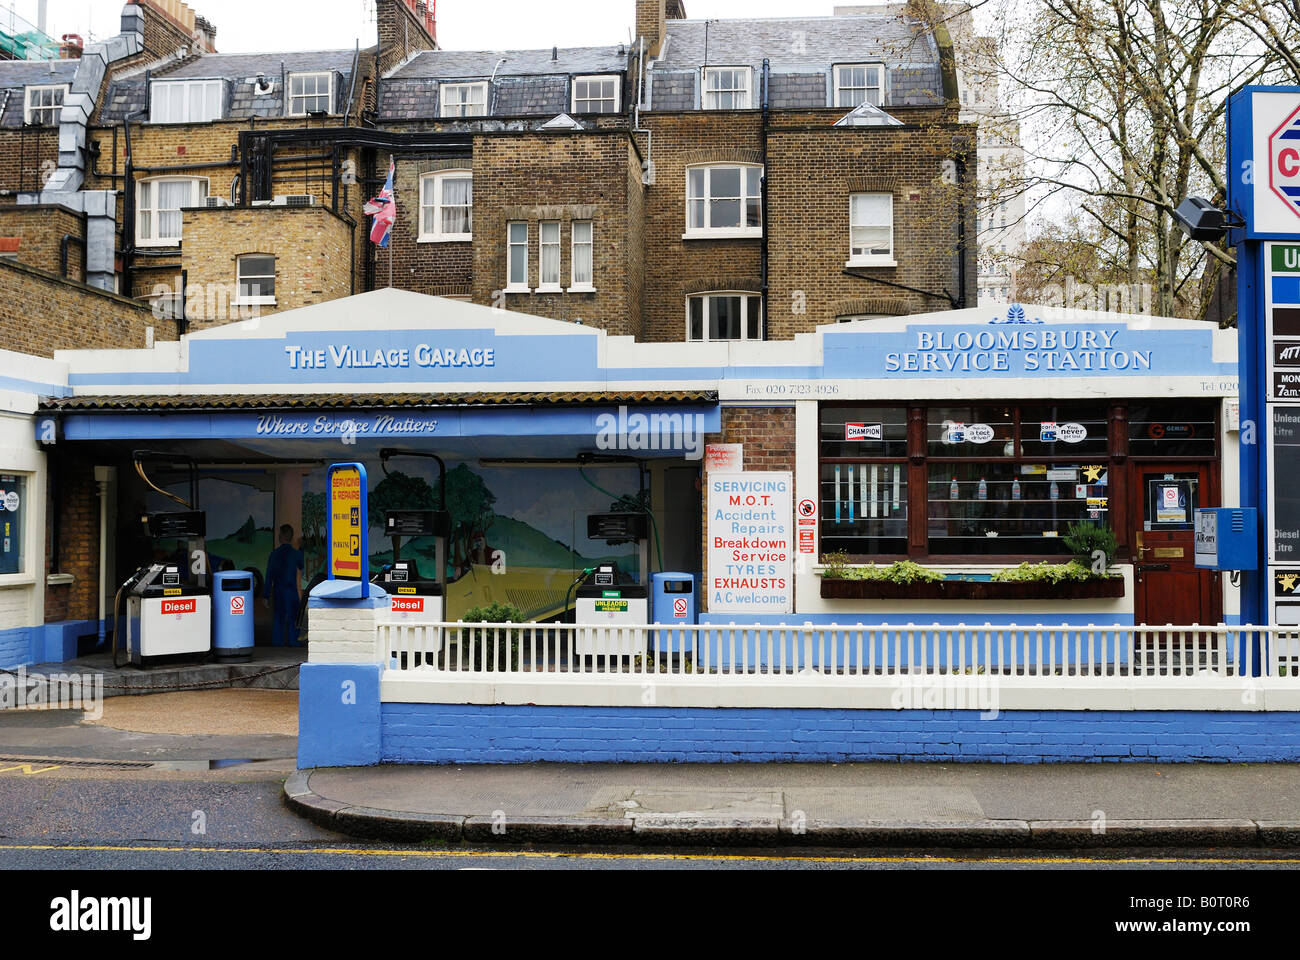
<point>457,733</point>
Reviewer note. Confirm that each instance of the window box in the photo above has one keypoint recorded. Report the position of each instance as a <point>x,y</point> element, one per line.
<point>578,289</point>
<point>871,262</point>
<point>743,233</point>
<point>956,588</point>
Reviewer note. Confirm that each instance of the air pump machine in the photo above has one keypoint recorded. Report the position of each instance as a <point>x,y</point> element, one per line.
<point>169,604</point>
<point>609,598</point>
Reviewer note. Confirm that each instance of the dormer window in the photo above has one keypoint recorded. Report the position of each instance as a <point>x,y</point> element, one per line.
<point>43,104</point>
<point>595,94</point>
<point>859,83</point>
<point>186,101</point>
<point>462,99</point>
<point>726,88</point>
<point>310,93</point>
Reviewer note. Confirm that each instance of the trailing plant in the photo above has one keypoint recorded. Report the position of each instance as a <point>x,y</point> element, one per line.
<point>902,572</point>
<point>1045,572</point>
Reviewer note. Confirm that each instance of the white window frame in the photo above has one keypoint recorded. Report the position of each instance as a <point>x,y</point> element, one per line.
<point>198,190</point>
<point>590,244</point>
<point>460,112</point>
<point>746,72</point>
<point>290,96</point>
<point>29,109</point>
<point>745,297</point>
<point>838,87</point>
<point>710,232</point>
<point>255,301</point>
<point>511,247</point>
<point>433,182</point>
<point>551,285</point>
<point>616,100</point>
<point>871,260</point>
<point>156,86</point>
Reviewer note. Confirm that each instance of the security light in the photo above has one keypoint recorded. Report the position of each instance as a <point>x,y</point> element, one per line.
<point>1202,220</point>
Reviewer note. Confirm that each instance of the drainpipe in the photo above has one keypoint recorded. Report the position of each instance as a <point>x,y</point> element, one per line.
<point>763,200</point>
<point>103,481</point>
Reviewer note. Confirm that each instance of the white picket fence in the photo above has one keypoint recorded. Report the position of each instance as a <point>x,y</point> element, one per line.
<point>1059,653</point>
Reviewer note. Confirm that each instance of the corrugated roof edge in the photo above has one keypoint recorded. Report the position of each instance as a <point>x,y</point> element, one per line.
<point>181,403</point>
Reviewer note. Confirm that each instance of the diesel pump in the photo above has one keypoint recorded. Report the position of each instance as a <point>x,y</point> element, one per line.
<point>169,604</point>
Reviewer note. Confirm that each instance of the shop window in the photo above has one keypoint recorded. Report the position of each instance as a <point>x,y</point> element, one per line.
<point>724,200</point>
<point>863,486</point>
<point>1011,507</point>
<point>583,261</point>
<point>726,88</point>
<point>13,523</point>
<point>548,259</point>
<point>310,93</point>
<point>859,83</point>
<point>1172,429</point>
<point>595,94</point>
<point>44,103</point>
<point>185,101</point>
<point>462,100</point>
<point>724,316</point>
<point>257,280</point>
<point>158,208</point>
<point>517,257</point>
<point>871,230</point>
<point>447,206</point>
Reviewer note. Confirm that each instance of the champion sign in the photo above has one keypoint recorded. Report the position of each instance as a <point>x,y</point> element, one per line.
<point>1284,161</point>
<point>863,431</point>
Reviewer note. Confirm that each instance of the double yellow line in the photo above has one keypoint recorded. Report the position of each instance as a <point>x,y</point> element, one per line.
<point>584,855</point>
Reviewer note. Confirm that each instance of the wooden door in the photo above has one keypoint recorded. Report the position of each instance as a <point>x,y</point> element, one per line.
<point>1168,587</point>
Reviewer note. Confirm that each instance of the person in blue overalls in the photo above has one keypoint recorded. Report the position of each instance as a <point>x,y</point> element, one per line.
<point>284,588</point>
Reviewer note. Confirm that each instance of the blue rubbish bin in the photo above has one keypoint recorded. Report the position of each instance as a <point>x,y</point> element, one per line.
<point>672,604</point>
<point>232,615</point>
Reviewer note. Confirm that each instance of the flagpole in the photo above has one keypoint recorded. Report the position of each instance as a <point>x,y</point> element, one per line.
<point>392,233</point>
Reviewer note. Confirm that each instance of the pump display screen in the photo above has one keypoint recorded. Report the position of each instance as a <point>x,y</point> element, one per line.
<point>416,523</point>
<point>616,527</point>
<point>177,526</point>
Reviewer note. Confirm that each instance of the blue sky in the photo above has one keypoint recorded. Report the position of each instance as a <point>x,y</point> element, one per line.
<point>253,25</point>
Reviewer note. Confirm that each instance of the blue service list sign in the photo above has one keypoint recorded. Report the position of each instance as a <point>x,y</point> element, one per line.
<point>751,543</point>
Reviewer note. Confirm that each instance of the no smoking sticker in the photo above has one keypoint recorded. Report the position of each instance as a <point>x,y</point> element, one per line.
<point>807,508</point>
<point>236,606</point>
<point>679,607</point>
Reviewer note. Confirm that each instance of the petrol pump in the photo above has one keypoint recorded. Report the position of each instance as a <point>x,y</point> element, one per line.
<point>607,597</point>
<point>169,603</point>
<point>416,596</point>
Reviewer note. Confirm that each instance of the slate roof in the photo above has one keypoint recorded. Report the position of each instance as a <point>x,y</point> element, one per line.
<point>801,51</point>
<point>528,84</point>
<point>240,71</point>
<point>17,75</point>
<point>480,64</point>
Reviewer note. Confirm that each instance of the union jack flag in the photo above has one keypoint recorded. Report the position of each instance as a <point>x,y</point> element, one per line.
<point>384,209</point>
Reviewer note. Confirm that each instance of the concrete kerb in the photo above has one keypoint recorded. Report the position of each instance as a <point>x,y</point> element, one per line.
<point>658,830</point>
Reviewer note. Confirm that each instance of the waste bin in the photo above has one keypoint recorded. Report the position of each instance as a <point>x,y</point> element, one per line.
<point>232,615</point>
<point>673,605</point>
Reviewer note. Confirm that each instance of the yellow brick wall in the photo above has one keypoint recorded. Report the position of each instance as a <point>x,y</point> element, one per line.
<point>311,245</point>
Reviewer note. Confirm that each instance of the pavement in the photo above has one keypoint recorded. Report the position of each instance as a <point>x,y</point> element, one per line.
<point>272,668</point>
<point>1040,806</point>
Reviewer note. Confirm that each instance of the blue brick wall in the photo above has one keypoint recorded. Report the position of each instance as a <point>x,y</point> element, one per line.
<point>16,647</point>
<point>457,733</point>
